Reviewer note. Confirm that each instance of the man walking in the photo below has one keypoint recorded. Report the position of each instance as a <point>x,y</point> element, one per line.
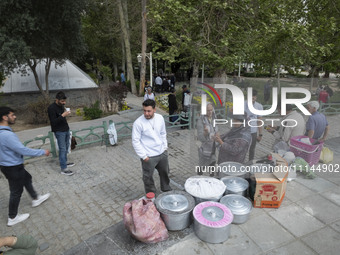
<point>57,116</point>
<point>11,165</point>
<point>150,143</point>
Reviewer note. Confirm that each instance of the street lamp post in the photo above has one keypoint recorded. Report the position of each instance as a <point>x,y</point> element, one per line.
<point>148,55</point>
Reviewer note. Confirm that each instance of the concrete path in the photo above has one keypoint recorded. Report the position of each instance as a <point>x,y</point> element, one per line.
<point>84,213</point>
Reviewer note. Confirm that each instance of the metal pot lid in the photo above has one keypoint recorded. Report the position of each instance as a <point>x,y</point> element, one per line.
<point>174,202</point>
<point>231,168</point>
<point>213,213</point>
<point>235,184</point>
<point>239,205</point>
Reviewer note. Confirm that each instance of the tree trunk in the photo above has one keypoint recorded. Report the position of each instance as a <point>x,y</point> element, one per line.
<point>143,63</point>
<point>194,78</point>
<point>220,77</point>
<point>126,16</point>
<point>123,56</point>
<point>326,74</point>
<point>278,77</point>
<point>127,47</point>
<point>312,73</point>
<point>115,71</point>
<point>33,66</point>
<point>47,72</point>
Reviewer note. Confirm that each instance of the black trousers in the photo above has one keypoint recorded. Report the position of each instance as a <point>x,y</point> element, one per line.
<point>18,178</point>
<point>252,146</point>
<point>159,162</point>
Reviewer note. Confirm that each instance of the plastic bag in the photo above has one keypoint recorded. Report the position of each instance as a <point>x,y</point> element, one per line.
<point>143,221</point>
<point>281,146</point>
<point>303,167</point>
<point>326,155</point>
<point>112,134</point>
<point>205,187</point>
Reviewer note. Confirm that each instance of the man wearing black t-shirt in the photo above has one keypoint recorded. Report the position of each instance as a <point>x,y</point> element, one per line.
<point>57,115</point>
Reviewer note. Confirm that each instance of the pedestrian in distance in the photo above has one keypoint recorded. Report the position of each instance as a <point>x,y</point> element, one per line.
<point>122,78</point>
<point>149,94</point>
<point>12,166</point>
<point>150,144</point>
<point>57,115</point>
<point>317,124</point>
<point>172,104</point>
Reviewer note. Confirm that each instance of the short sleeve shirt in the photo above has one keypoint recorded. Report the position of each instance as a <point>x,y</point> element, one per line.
<point>317,122</point>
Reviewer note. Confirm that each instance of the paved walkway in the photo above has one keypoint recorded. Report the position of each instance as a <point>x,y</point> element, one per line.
<point>84,213</point>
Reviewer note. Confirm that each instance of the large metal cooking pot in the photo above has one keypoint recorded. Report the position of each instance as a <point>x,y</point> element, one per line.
<point>239,206</point>
<point>175,208</point>
<point>235,185</point>
<point>212,222</point>
<point>256,168</point>
<point>232,169</point>
<point>204,188</point>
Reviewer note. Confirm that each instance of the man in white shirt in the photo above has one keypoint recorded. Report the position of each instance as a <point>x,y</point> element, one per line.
<point>150,143</point>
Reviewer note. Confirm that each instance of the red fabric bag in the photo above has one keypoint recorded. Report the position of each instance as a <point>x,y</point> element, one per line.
<point>143,221</point>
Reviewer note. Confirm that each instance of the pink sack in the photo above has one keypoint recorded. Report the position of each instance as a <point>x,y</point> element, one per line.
<point>143,221</point>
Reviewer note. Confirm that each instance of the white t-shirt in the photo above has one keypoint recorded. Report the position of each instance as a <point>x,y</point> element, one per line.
<point>149,136</point>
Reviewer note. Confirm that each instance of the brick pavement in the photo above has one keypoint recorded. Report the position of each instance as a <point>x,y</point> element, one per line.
<point>91,201</point>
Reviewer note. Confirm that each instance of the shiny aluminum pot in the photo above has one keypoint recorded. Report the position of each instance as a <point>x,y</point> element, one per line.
<point>175,208</point>
<point>239,206</point>
<point>232,169</point>
<point>235,185</point>
<point>212,222</point>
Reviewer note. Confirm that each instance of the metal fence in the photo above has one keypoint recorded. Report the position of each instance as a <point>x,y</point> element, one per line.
<point>96,134</point>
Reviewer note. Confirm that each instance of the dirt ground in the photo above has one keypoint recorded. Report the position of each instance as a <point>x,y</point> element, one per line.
<point>21,124</point>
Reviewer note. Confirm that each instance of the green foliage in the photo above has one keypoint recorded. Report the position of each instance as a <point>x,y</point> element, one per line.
<point>117,93</point>
<point>92,112</point>
<point>79,112</point>
<point>34,30</point>
<point>37,111</point>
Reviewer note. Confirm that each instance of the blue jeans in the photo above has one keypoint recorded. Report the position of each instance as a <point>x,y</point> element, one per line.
<point>63,139</point>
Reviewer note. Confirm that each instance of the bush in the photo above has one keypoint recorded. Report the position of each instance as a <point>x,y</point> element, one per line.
<point>117,93</point>
<point>37,111</point>
<point>79,112</point>
<point>92,112</point>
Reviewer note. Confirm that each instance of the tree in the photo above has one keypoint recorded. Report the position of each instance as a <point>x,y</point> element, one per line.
<point>39,31</point>
<point>125,31</point>
<point>144,39</point>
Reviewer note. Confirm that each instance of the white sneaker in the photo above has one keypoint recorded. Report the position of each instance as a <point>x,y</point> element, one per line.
<point>17,219</point>
<point>40,199</point>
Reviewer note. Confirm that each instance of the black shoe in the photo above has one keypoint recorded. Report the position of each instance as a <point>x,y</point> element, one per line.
<point>70,164</point>
<point>67,172</point>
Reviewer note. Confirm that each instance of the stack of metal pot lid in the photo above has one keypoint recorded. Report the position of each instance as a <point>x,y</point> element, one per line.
<point>212,222</point>
<point>175,208</point>
<point>239,206</point>
<point>232,169</point>
<point>235,185</point>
